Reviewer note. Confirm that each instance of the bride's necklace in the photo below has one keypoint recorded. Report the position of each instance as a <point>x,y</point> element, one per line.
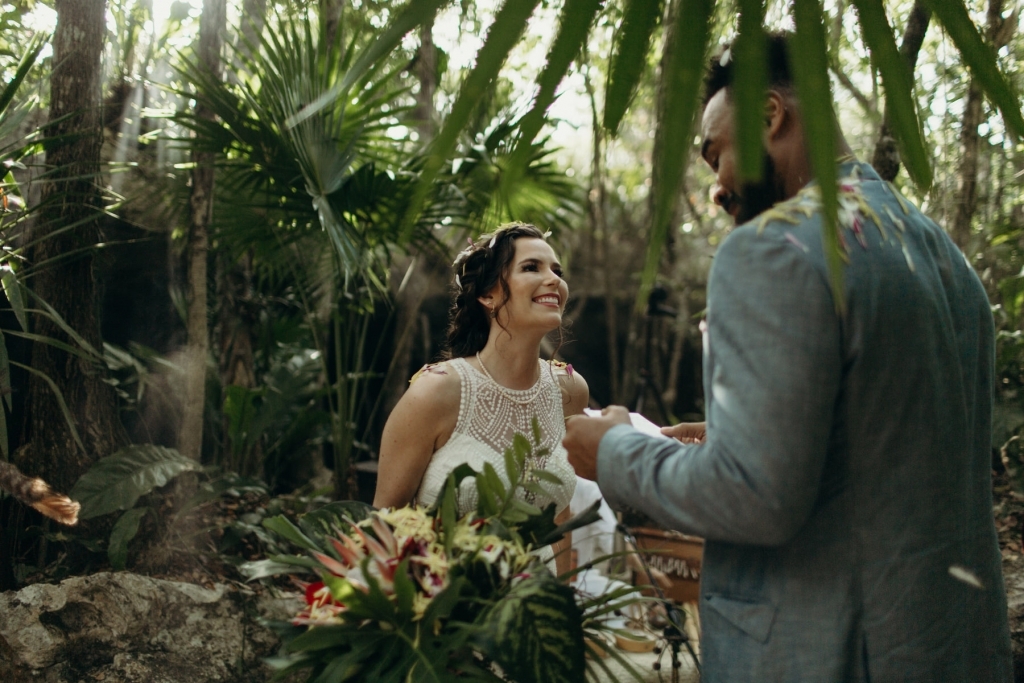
<point>520,396</point>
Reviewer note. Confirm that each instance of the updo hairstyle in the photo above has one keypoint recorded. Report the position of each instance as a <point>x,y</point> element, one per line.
<point>478,268</point>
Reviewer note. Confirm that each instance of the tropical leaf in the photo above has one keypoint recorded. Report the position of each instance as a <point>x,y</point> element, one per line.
<point>683,72</point>
<point>812,82</point>
<point>328,520</point>
<point>125,528</point>
<point>284,528</point>
<point>750,83</point>
<point>899,90</point>
<point>980,58</point>
<point>629,58</point>
<point>534,633</point>
<point>576,19</point>
<point>117,481</point>
<point>412,15</point>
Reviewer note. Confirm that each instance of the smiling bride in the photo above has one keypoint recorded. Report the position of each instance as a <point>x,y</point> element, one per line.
<point>509,294</point>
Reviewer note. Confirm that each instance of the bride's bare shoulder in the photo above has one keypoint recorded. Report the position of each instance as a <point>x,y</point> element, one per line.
<point>574,385</point>
<point>438,382</point>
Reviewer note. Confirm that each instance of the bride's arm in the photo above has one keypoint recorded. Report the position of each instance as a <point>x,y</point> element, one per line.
<point>422,422</point>
<point>577,395</point>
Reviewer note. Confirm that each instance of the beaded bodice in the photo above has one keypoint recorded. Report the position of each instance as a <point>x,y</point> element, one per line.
<point>489,416</point>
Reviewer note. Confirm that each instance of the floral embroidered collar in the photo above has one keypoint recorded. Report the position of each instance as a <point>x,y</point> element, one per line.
<point>855,213</point>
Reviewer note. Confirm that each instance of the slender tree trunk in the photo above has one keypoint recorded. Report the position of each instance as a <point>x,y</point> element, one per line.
<point>886,158</point>
<point>426,74</point>
<point>190,439</point>
<point>970,141</point>
<point>330,16</point>
<point>254,17</point>
<point>69,222</point>
<point>415,284</point>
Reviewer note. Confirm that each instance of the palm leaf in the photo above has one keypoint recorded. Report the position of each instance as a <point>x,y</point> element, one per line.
<point>980,58</point>
<point>812,82</point>
<point>629,58</point>
<point>683,65</point>
<point>898,90</point>
<point>574,27</point>
<point>749,87</point>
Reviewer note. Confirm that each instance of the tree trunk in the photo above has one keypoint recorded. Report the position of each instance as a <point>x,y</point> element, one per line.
<point>330,17</point>
<point>426,74</point>
<point>970,141</point>
<point>69,223</point>
<point>254,16</point>
<point>886,158</point>
<point>190,439</point>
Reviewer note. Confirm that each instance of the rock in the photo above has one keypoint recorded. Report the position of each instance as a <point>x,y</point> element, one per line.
<point>134,629</point>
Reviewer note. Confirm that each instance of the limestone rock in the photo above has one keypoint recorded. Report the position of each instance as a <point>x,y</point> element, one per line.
<point>128,628</point>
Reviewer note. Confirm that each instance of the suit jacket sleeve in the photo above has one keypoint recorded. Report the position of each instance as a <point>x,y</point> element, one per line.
<point>772,373</point>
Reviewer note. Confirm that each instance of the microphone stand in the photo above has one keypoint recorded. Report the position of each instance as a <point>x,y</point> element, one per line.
<point>674,633</point>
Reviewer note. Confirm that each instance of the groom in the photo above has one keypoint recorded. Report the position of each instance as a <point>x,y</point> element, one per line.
<point>844,485</point>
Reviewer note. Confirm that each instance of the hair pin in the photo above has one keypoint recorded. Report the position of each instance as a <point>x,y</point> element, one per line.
<point>490,245</point>
<point>458,282</point>
<point>546,234</point>
<point>726,57</point>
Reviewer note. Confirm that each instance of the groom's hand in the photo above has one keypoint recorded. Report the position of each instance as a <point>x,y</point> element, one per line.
<point>583,436</point>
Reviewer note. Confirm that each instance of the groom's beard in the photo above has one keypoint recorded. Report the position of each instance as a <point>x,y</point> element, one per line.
<point>757,197</point>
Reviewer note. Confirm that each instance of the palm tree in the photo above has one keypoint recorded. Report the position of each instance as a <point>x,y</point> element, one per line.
<point>686,25</point>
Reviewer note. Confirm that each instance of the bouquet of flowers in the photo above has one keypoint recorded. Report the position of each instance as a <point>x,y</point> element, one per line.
<point>418,594</point>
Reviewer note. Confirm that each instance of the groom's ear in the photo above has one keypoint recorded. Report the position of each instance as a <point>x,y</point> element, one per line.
<point>775,113</point>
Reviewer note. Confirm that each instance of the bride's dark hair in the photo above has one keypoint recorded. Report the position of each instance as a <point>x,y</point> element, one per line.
<point>478,268</point>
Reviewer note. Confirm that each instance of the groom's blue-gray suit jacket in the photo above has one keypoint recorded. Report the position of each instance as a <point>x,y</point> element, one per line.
<point>848,460</point>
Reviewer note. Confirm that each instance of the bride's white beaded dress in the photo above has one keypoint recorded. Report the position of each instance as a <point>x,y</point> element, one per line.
<point>489,415</point>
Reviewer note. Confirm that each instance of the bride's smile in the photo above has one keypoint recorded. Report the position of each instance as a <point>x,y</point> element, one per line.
<point>536,291</point>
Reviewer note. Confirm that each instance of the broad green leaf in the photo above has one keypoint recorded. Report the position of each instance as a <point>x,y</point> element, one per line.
<point>284,528</point>
<point>12,288</point>
<point>980,58</point>
<point>117,481</point>
<point>405,591</point>
<point>494,481</point>
<point>329,519</point>
<point>681,80</point>
<point>123,532</point>
<point>750,82</point>
<point>899,90</point>
<point>521,447</point>
<point>512,471</point>
<point>508,26</point>
<point>549,477</point>
<point>527,509</point>
<point>809,62</point>
<point>274,566</point>
<point>574,27</point>
<point>59,397</point>
<point>534,633</point>
<point>629,58</point>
